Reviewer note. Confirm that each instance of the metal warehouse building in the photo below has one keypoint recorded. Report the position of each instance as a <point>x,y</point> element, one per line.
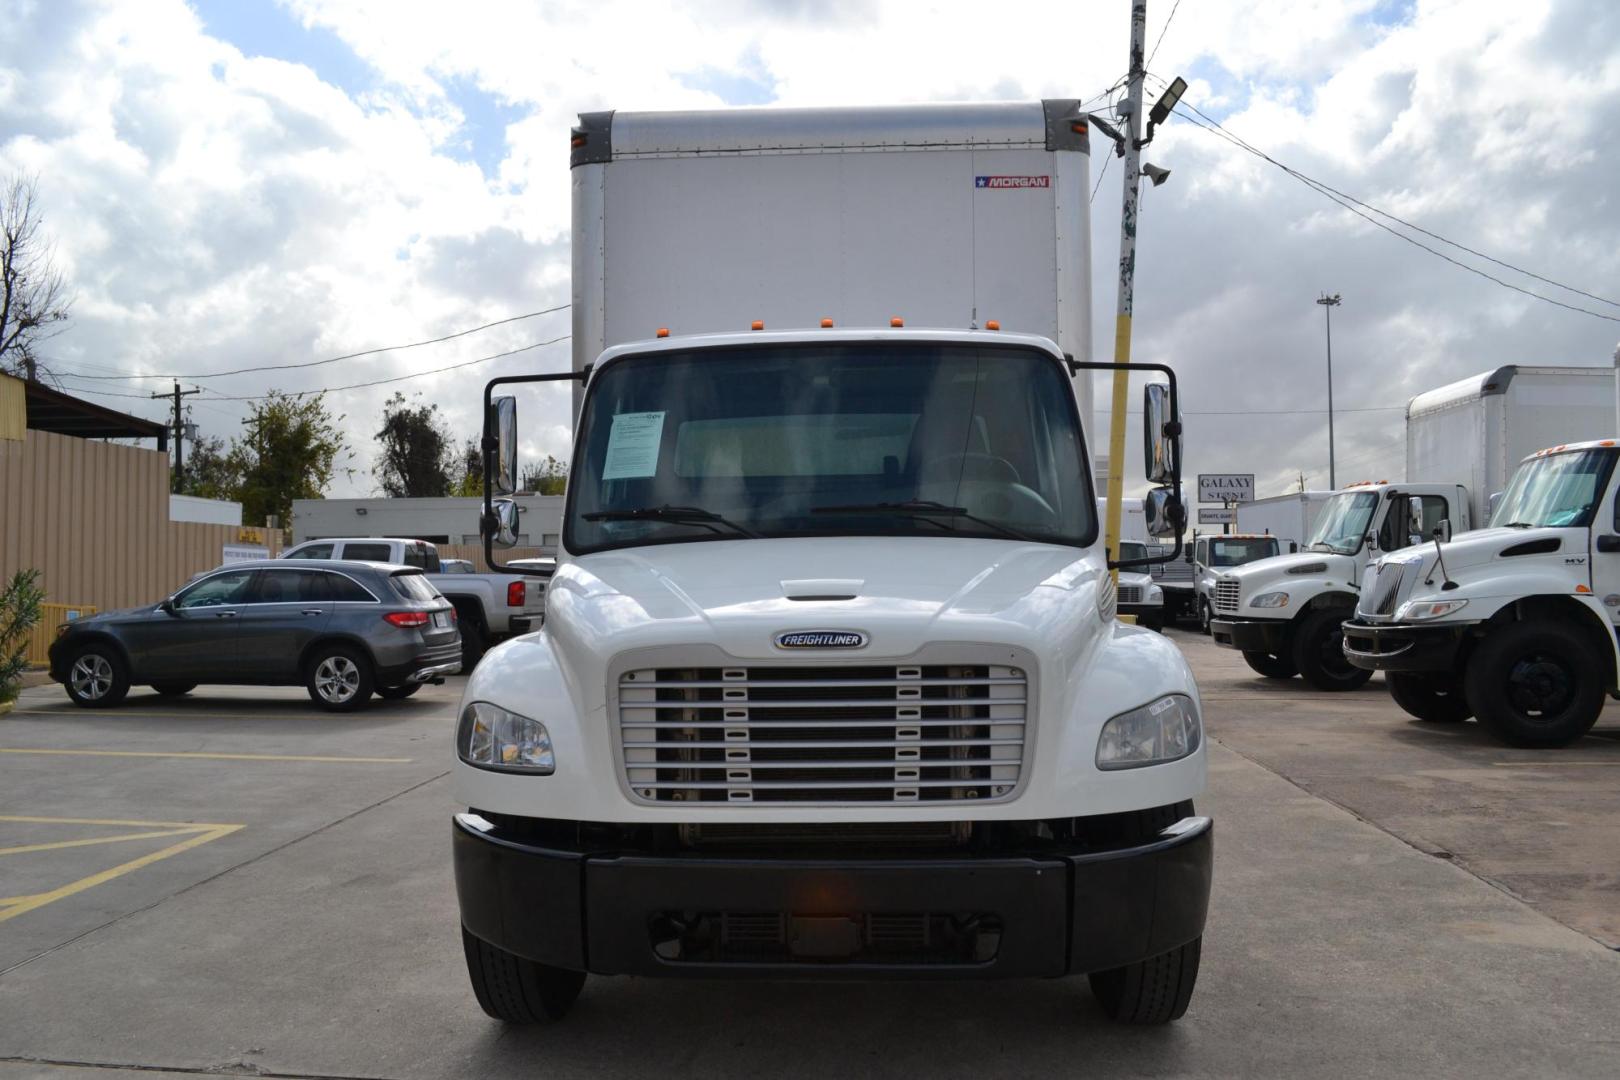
<point>448,521</point>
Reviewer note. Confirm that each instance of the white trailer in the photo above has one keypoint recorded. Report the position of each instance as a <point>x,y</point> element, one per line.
<point>831,602</point>
<point>1475,431</point>
<point>1290,518</point>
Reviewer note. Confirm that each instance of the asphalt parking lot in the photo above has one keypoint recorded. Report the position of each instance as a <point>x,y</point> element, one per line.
<point>238,883</point>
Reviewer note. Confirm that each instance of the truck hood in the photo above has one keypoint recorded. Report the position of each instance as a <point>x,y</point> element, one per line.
<point>739,594</point>
<point>1280,571</point>
<point>1490,562</point>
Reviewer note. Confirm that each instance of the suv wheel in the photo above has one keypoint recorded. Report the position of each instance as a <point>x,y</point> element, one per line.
<point>339,678</point>
<point>98,678</point>
<point>1319,651</point>
<point>1436,698</point>
<point>1535,684</point>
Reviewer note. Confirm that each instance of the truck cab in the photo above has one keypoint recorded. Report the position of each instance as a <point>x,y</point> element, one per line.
<point>1139,595</point>
<point>1211,556</point>
<point>1514,624</point>
<point>1284,613</point>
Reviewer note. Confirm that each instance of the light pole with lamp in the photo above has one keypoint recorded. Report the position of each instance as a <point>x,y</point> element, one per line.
<point>1328,304</point>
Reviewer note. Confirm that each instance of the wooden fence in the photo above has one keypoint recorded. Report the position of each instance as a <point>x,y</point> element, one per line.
<point>93,519</point>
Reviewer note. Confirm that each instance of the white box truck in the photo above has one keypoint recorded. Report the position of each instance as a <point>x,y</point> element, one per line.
<point>830,683</point>
<point>1290,518</point>
<point>1516,623</point>
<point>1286,614</point>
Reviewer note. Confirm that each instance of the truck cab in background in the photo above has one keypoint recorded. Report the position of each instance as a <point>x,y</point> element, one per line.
<point>1284,613</point>
<point>1515,623</point>
<point>1210,556</point>
<point>1139,595</point>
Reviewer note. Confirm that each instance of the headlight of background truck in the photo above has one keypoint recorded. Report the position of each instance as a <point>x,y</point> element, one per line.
<point>491,737</point>
<point>1421,610</point>
<point>1270,600</point>
<point>1164,730</point>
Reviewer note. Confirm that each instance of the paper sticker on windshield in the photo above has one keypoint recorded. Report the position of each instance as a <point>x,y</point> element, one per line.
<point>632,451</point>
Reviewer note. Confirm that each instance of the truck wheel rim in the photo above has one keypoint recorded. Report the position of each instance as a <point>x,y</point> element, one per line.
<point>1540,686</point>
<point>337,679</point>
<point>92,677</point>
<point>1333,660</point>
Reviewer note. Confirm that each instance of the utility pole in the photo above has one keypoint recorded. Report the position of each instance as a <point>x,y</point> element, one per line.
<point>1328,304</point>
<point>1132,106</point>
<point>179,432</point>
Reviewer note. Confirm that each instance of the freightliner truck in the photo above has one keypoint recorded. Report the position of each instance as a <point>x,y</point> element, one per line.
<point>1462,440</point>
<point>830,683</point>
<point>1514,624</point>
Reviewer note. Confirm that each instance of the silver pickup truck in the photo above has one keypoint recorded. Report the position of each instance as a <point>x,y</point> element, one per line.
<point>489,607</point>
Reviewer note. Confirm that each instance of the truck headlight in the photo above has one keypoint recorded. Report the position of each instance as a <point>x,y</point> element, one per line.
<point>1270,600</point>
<point>1165,730</point>
<point>1423,610</point>
<point>491,737</point>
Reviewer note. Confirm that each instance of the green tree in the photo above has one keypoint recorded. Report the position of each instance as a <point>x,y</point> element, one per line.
<point>292,449</point>
<point>416,455</point>
<point>547,478</point>
<point>20,601</point>
<point>208,473</point>
<point>470,478</point>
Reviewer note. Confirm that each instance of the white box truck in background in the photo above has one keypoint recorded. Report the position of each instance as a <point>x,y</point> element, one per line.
<point>830,683</point>
<point>1290,518</point>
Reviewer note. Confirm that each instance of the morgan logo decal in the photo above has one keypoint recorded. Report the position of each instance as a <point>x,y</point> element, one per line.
<point>821,639</point>
<point>1004,182</point>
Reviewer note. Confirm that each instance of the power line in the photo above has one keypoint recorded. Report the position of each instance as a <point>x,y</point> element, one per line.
<point>334,359</point>
<point>1173,9</point>
<point>1102,172</point>
<point>1354,205</point>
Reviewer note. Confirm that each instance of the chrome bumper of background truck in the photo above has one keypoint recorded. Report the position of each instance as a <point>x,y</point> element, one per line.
<point>1403,647</point>
<point>977,915</point>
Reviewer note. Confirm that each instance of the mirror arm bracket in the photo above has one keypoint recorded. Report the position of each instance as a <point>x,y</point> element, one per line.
<point>490,443</point>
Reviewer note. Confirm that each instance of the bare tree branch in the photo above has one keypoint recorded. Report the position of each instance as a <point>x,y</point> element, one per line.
<point>33,296</point>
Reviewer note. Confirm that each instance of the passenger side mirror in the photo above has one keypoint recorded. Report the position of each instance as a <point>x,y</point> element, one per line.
<point>501,426</point>
<point>167,607</point>
<point>1442,531</point>
<point>1293,548</point>
<point>1159,435</point>
<point>501,526</point>
<point>1164,513</point>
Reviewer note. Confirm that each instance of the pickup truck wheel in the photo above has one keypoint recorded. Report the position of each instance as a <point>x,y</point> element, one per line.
<point>1151,991</point>
<point>1204,615</point>
<point>1535,684</point>
<point>97,678</point>
<point>1436,698</point>
<point>474,643</point>
<point>517,990</point>
<point>1272,667</point>
<point>174,689</point>
<point>339,678</point>
<point>398,693</point>
<point>1319,652</point>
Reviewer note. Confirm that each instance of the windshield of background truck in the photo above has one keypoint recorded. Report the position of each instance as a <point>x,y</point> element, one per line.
<point>1130,550</point>
<point>763,437</point>
<point>1238,552</point>
<point>1556,490</point>
<point>1343,522</point>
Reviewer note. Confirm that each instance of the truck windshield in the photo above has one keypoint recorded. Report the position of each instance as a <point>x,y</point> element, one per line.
<point>1343,522</point>
<point>1238,552</point>
<point>824,440</point>
<point>1555,490</point>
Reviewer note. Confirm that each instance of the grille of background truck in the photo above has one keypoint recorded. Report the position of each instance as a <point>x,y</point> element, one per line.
<point>1227,594</point>
<point>1130,594</point>
<point>1381,587</point>
<point>867,734</point>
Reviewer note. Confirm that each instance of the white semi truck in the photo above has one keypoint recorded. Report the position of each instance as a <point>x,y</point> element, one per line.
<point>830,683</point>
<point>1462,439</point>
<point>1514,624</point>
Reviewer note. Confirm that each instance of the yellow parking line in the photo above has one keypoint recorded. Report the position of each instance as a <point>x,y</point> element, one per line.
<point>30,820</point>
<point>212,757</point>
<point>55,844</point>
<point>23,904</point>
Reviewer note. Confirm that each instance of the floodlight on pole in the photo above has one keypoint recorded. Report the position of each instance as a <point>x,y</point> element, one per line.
<point>1165,106</point>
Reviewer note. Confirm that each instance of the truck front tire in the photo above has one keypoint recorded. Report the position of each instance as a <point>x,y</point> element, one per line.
<point>516,990</point>
<point>1272,667</point>
<point>1436,698</point>
<point>1204,615</point>
<point>1536,684</point>
<point>1151,991</point>
<point>1318,651</point>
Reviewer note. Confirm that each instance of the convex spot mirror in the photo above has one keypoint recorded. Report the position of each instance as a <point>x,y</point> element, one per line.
<point>1159,449</point>
<point>1165,514</point>
<point>502,425</point>
<point>502,523</point>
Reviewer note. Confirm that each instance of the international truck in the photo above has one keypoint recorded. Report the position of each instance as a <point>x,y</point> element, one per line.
<point>1290,518</point>
<point>830,683</point>
<point>1514,624</point>
<point>1286,614</point>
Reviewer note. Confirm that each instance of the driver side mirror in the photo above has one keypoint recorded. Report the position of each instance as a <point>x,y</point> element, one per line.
<point>1159,434</point>
<point>167,607</point>
<point>501,427</point>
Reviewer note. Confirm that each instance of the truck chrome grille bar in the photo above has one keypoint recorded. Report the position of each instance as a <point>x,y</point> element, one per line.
<point>825,735</point>
<point>1227,596</point>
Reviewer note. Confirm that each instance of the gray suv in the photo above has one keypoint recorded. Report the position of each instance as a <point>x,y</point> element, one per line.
<point>341,629</point>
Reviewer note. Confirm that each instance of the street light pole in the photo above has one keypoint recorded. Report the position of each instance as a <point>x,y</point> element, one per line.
<point>1328,304</point>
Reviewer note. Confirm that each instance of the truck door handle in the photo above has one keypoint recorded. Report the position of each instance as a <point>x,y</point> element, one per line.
<point>224,614</point>
<point>1608,544</point>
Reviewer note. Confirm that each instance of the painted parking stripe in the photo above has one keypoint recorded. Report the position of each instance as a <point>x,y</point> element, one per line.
<point>210,756</point>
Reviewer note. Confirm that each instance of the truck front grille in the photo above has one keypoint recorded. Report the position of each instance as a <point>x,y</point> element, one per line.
<point>1380,589</point>
<point>828,735</point>
<point>1227,595</point>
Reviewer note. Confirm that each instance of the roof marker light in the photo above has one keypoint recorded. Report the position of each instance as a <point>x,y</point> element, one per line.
<point>897,321</point>
<point>992,324</point>
<point>758,324</point>
<point>663,331</point>
<point>826,324</point>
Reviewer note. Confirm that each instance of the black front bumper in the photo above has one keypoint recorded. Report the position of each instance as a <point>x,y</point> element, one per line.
<point>1250,635</point>
<point>1006,915</point>
<point>1387,647</point>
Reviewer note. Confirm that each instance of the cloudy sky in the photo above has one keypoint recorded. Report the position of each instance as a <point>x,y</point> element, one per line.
<point>234,183</point>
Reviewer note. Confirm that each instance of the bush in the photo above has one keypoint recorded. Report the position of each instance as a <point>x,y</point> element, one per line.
<point>20,602</point>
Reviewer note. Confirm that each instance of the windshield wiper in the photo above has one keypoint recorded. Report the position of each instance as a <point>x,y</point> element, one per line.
<point>1521,525</point>
<point>679,515</point>
<point>924,509</point>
